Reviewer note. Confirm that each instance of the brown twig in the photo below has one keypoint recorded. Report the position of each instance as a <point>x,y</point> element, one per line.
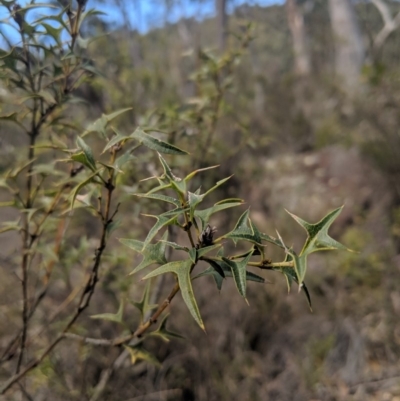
<point>86,294</point>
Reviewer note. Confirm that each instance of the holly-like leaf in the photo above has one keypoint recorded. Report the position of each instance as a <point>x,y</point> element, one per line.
<point>176,246</point>
<point>101,124</point>
<point>300,262</point>
<point>10,226</point>
<point>164,333</point>
<point>80,157</point>
<point>182,270</point>
<point>291,276</point>
<point>112,317</point>
<point>81,185</point>
<point>162,221</point>
<point>193,200</point>
<point>139,353</point>
<point>238,269</point>
<point>156,144</point>
<point>245,230</point>
<point>169,179</point>
<point>116,139</point>
<point>203,251</point>
<point>204,215</point>
<point>193,255</point>
<point>272,240</point>
<point>318,238</point>
<point>220,270</point>
<point>151,253</point>
<point>193,173</point>
<point>164,198</point>
<point>143,305</point>
<point>90,162</point>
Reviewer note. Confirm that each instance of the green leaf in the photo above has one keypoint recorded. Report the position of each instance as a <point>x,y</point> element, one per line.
<point>291,275</point>
<point>218,184</point>
<point>151,253</point>
<point>164,333</point>
<point>123,159</point>
<point>272,240</point>
<point>101,124</point>
<point>300,262</point>
<point>90,162</point>
<point>203,251</point>
<point>193,173</point>
<point>53,32</point>
<point>10,226</point>
<point>162,221</point>
<point>137,353</point>
<point>193,255</point>
<point>143,305</point>
<point>182,270</point>
<point>116,139</point>
<point>81,185</point>
<point>156,144</point>
<point>81,158</point>
<point>318,238</point>
<point>245,230</point>
<point>239,273</point>
<point>193,201</point>
<point>174,182</point>
<point>112,317</point>
<point>163,198</point>
<point>177,246</point>
<point>220,270</point>
<point>204,215</point>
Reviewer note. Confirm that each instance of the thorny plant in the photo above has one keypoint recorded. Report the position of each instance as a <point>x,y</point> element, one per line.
<point>46,192</point>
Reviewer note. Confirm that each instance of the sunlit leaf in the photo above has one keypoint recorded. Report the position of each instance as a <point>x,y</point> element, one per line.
<point>245,230</point>
<point>193,173</point>
<point>291,276</point>
<point>152,253</point>
<point>318,238</point>
<point>204,215</point>
<point>182,270</point>
<point>143,305</point>
<point>163,198</point>
<point>138,353</point>
<point>162,221</point>
<point>163,331</point>
<point>87,152</point>
<point>112,317</point>
<point>174,182</point>
<point>238,269</point>
<point>101,124</point>
<point>81,185</point>
<point>156,144</point>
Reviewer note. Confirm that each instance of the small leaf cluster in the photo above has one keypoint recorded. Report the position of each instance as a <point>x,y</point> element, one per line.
<point>189,215</point>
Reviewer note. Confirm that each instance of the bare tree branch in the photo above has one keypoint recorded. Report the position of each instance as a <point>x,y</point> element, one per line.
<point>390,23</point>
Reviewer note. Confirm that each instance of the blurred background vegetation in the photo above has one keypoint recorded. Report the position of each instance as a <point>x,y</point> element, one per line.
<point>300,101</point>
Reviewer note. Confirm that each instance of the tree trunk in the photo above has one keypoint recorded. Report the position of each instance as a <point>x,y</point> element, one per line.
<point>302,64</point>
<point>349,46</point>
<point>222,24</point>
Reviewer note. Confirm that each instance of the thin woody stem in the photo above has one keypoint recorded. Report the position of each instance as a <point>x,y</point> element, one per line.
<point>138,333</point>
<point>86,295</point>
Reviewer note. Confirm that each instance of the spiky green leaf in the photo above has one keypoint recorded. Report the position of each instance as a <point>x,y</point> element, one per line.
<point>112,317</point>
<point>318,238</point>
<point>156,144</point>
<point>91,163</point>
<point>245,230</point>
<point>152,253</point>
<point>182,270</point>
<point>163,331</point>
<point>238,269</point>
